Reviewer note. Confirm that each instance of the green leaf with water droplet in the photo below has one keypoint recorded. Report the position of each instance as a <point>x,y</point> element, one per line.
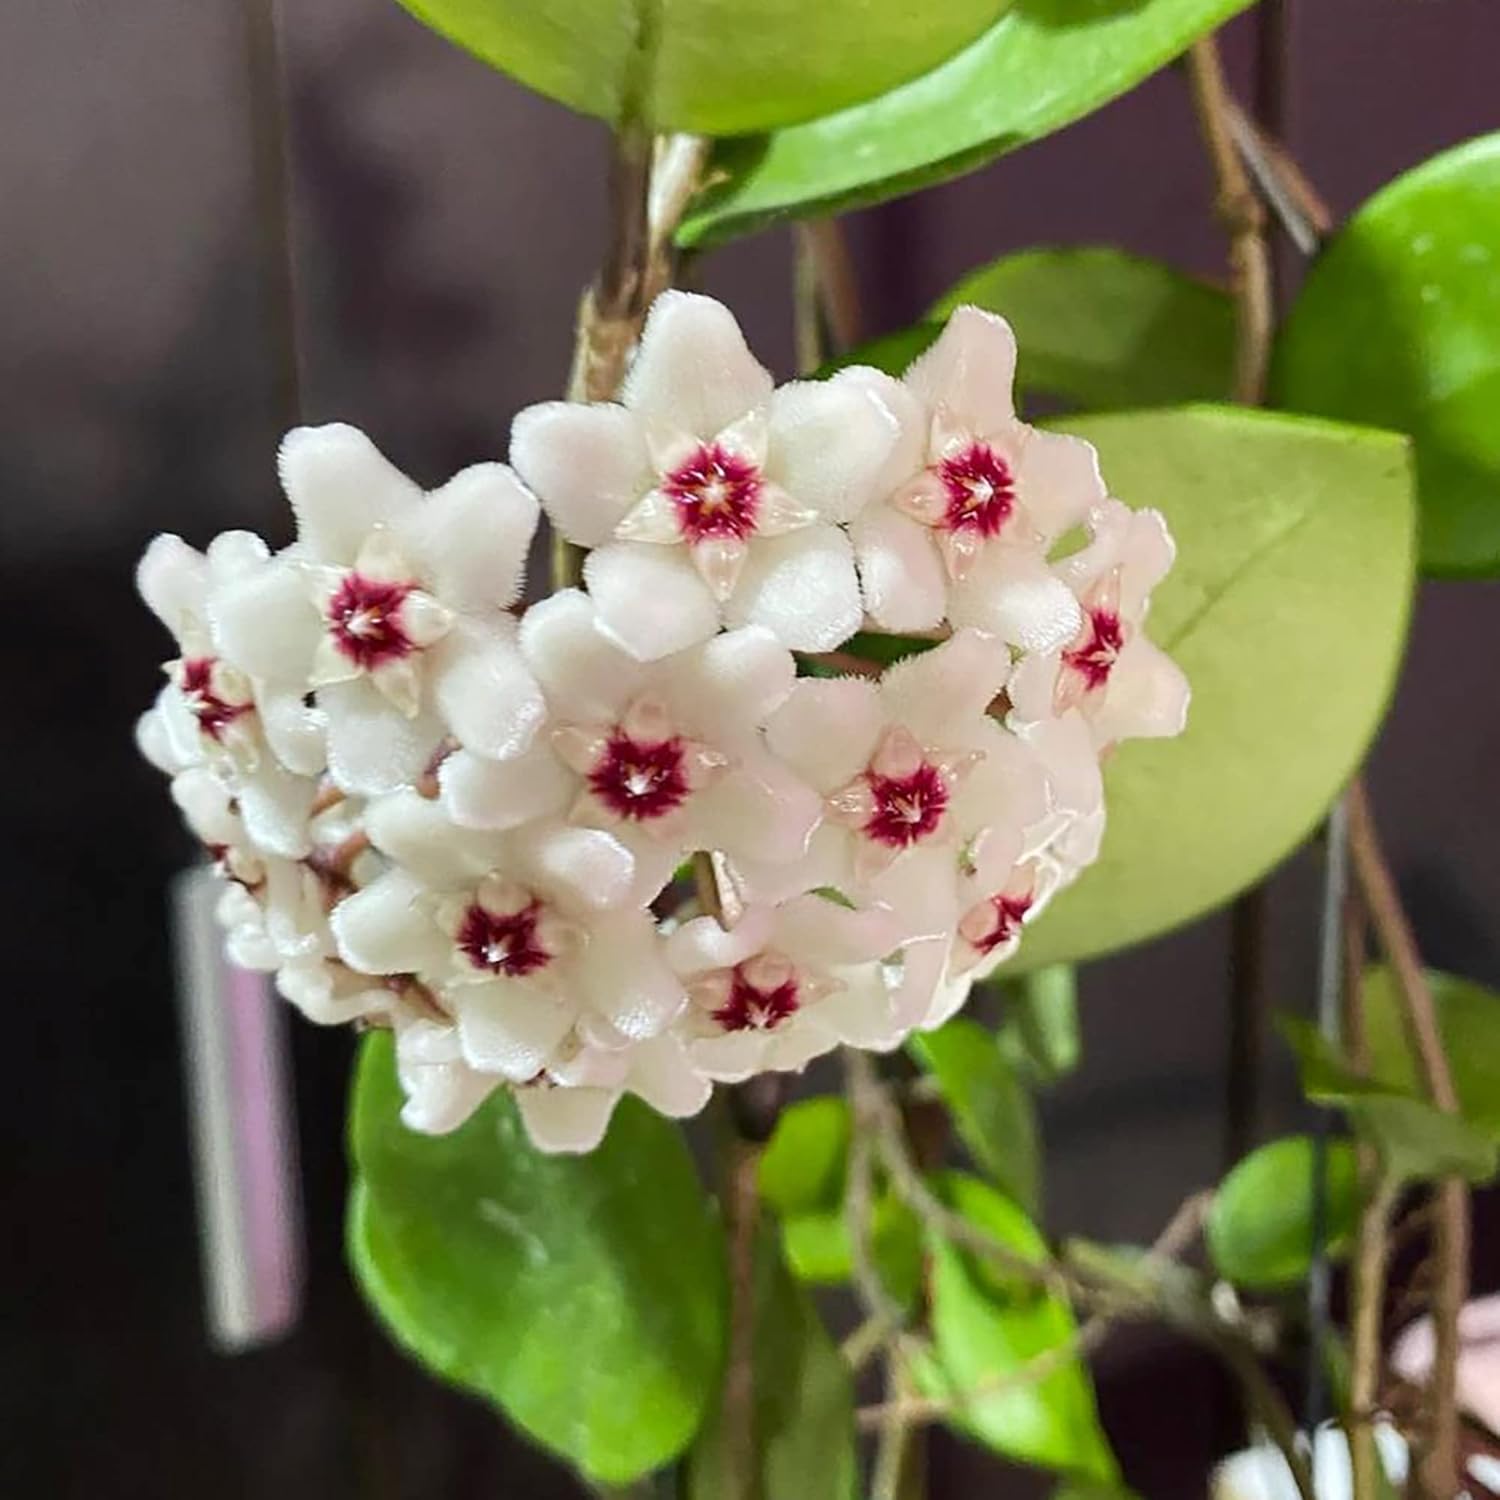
<point>584,1296</point>
<point>1042,65</point>
<point>715,67</point>
<point>1398,325</point>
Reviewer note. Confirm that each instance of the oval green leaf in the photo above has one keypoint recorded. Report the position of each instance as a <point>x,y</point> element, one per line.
<point>584,1296</point>
<point>716,67</point>
<point>1260,1229</point>
<point>985,1339</point>
<point>991,1107</point>
<point>802,1167</point>
<point>1398,325</point>
<point>1042,65</point>
<point>1039,1029</point>
<point>1287,609</point>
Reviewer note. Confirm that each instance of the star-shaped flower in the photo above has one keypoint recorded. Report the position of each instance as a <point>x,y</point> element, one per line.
<point>976,497</point>
<point>392,605</point>
<point>706,494</point>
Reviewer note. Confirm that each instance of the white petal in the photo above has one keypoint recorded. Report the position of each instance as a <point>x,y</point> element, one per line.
<point>588,464</point>
<point>1009,786</point>
<point>1057,480</point>
<point>416,832</point>
<point>651,599</point>
<point>582,869</point>
<point>802,588</point>
<point>387,928</point>
<point>566,1119</point>
<point>623,974</point>
<point>327,994</point>
<point>905,585</point>
<point>969,372</point>
<point>730,1057</point>
<point>483,688</point>
<point>155,742</point>
<point>862,1013</point>
<point>232,554</point>
<point>297,734</point>
<point>830,443</point>
<point>510,1028</point>
<point>937,693</point>
<point>266,623</point>
<point>341,487</point>
<point>586,676</point>
<point>760,812</point>
<point>441,1097</point>
<point>1011,592</point>
<point>372,747</point>
<point>694,370</point>
<point>664,1077</point>
<point>823,934</point>
<point>732,683</point>
<point>827,729</point>
<point>908,454</point>
<point>1033,685</point>
<point>275,806</point>
<point>172,578</point>
<point>471,538</point>
<point>1147,697</point>
<point>1066,750</point>
<point>481,793</point>
<point>704,943</point>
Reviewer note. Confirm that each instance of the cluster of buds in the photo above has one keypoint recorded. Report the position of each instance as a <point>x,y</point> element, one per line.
<point>478,826</point>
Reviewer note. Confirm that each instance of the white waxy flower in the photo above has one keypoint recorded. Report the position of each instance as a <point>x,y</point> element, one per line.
<point>667,756</point>
<point>262,742</point>
<point>786,984</point>
<point>1123,684</point>
<point>707,494</point>
<point>393,606</point>
<point>442,1090</point>
<point>527,939</point>
<point>977,498</point>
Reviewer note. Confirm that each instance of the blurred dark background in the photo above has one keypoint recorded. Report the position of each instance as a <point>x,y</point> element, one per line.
<point>442,223</point>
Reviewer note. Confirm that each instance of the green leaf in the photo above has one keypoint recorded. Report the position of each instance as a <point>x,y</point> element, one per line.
<point>1260,1229</point>
<point>1042,65</point>
<point>804,1404</point>
<point>1287,609</point>
<point>1039,1028</point>
<point>1106,331</point>
<point>582,1295</point>
<point>991,1108</point>
<point>1398,325</point>
<point>1416,1140</point>
<point>802,1167</point>
<point>983,1335</point>
<point>1469,1022</point>
<point>818,1248</point>
<point>716,67</point>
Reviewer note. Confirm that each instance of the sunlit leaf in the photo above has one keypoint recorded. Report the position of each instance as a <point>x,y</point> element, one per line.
<point>584,1296</point>
<point>1398,325</point>
<point>1042,65</point>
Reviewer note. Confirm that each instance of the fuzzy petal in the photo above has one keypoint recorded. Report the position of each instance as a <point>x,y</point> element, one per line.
<point>483,688</point>
<point>388,928</point>
<point>481,793</point>
<point>372,746</point>
<point>650,599</point>
<point>582,869</point>
<point>297,734</point>
<point>731,684</point>
<point>1147,696</point>
<point>566,1120</point>
<point>1012,593</point>
<point>969,372</point>
<point>704,943</point>
<point>936,693</point>
<point>173,578</point>
<point>802,588</point>
<point>905,585</point>
<point>416,833</point>
<point>694,371</point>
<point>586,676</point>
<point>663,1076</point>
<point>341,487</point>
<point>1058,480</point>
<point>266,623</point>
<point>830,443</point>
<point>823,934</point>
<point>624,976</point>
<point>275,806</point>
<point>472,536</point>
<point>760,812</point>
<point>588,464</point>
<point>827,729</point>
<point>510,1028</point>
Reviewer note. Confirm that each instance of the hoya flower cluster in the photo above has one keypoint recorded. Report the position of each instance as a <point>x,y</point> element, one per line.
<point>472,826</point>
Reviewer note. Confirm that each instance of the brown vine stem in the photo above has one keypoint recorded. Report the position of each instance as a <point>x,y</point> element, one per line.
<point>1436,1471</point>
<point>826,250</point>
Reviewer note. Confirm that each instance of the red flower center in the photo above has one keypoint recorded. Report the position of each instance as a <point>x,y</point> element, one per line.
<point>1097,648</point>
<point>907,808</point>
<point>640,780</point>
<point>1010,912</point>
<point>364,618</point>
<point>716,494</point>
<point>507,944</point>
<point>751,1008</point>
<point>213,713</point>
<point>981,490</point>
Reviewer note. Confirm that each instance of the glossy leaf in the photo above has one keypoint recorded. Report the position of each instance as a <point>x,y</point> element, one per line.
<point>582,1295</point>
<point>711,66</point>
<point>986,1335</point>
<point>1042,65</point>
<point>819,1251</point>
<point>992,1110</point>
<point>1416,1140</point>
<point>1260,1226</point>
<point>1039,1026</point>
<point>1398,325</point>
<point>804,1403</point>
<point>1287,609</point>
<point>802,1167</point>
